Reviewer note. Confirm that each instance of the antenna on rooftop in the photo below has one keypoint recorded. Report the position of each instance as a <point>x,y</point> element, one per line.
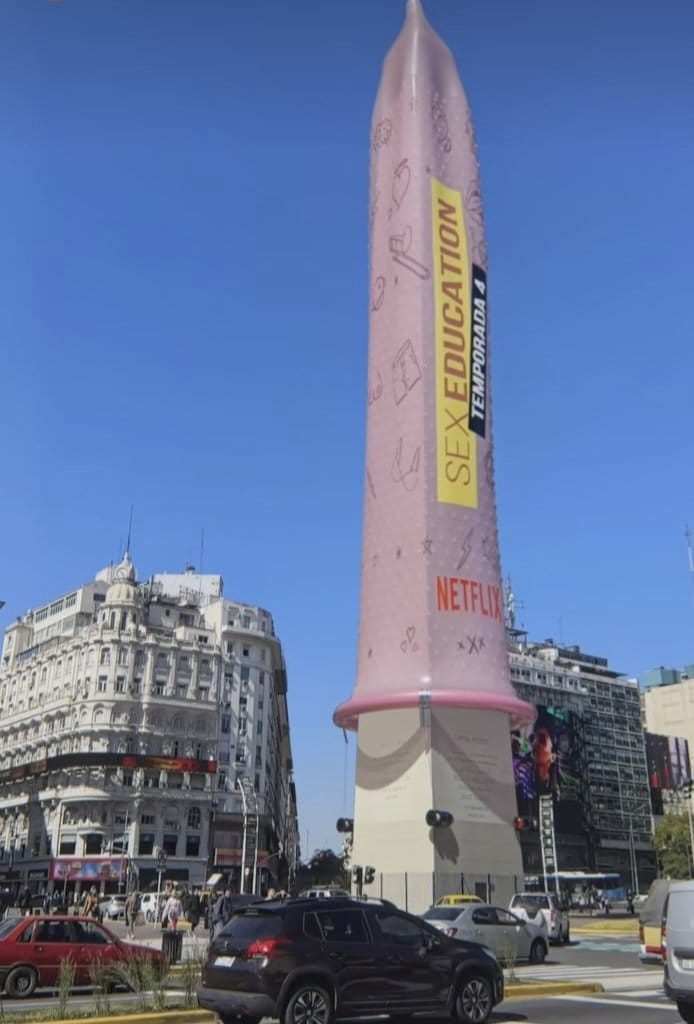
<point>130,531</point>
<point>202,557</point>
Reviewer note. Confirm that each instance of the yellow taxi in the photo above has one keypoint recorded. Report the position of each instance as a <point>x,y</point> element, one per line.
<point>457,899</point>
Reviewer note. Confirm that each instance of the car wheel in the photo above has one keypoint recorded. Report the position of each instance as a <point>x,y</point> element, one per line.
<point>538,952</point>
<point>473,1000</point>
<point>21,982</point>
<point>686,1012</point>
<point>309,1004</point>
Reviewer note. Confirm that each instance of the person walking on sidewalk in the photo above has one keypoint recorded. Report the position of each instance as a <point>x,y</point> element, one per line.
<point>222,912</point>
<point>132,906</point>
<point>173,910</point>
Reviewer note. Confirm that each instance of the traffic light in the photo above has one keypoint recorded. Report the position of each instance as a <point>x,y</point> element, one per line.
<point>357,875</point>
<point>345,825</point>
<point>439,819</point>
<point>525,824</point>
<point>369,874</point>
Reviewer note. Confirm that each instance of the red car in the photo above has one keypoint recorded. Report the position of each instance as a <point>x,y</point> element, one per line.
<point>31,949</point>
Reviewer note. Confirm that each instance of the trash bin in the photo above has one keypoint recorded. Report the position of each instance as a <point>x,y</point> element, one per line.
<point>172,945</point>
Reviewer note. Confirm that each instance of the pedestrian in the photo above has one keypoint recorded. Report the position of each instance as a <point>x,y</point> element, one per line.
<point>90,903</point>
<point>24,900</point>
<point>173,911</point>
<point>222,912</point>
<point>194,910</point>
<point>131,909</point>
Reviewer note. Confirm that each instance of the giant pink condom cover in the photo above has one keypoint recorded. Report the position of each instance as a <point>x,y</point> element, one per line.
<point>432,611</point>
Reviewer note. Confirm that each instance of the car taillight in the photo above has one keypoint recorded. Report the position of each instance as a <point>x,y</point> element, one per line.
<point>452,932</point>
<point>264,948</point>
<point>642,937</point>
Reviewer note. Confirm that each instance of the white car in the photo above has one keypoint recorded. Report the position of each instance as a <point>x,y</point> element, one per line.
<point>148,906</point>
<point>113,908</point>
<point>501,931</point>
<point>543,908</point>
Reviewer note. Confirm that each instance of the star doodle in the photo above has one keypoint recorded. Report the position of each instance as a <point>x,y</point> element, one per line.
<point>370,652</point>
<point>461,645</point>
<point>398,553</point>
<point>427,546</point>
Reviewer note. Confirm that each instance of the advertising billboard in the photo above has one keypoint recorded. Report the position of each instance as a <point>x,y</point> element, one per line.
<point>546,763</point>
<point>88,869</point>
<point>668,767</point>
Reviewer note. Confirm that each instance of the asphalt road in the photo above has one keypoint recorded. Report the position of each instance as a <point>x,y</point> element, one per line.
<point>586,1010</point>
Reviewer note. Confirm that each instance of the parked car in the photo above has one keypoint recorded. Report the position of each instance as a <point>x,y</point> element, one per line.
<point>537,907</point>
<point>113,908</point>
<point>31,949</point>
<point>323,894</point>
<point>678,947</point>
<point>455,899</point>
<point>313,960</point>
<point>511,938</point>
<point>148,906</point>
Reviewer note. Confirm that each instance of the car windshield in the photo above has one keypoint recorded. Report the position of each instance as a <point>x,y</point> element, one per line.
<point>441,914</point>
<point>531,901</point>
<point>8,926</point>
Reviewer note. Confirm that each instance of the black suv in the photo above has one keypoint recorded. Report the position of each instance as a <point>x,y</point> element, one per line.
<point>307,961</point>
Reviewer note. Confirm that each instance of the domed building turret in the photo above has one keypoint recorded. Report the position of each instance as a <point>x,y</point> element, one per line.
<point>123,604</point>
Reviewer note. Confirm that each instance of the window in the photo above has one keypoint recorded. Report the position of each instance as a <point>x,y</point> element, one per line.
<point>485,915</point>
<point>312,928</point>
<point>170,844</point>
<point>245,674</point>
<point>105,656</point>
<point>194,817</point>
<point>158,689</point>
<point>128,776</point>
<point>259,728</point>
<point>399,930</point>
<point>102,684</point>
<point>246,621</point>
<point>146,819</point>
<point>503,917</point>
<point>52,931</point>
<point>246,652</point>
<point>89,933</point>
<point>146,844</point>
<point>226,723</point>
<point>123,656</point>
<point>345,926</point>
<point>192,846</point>
<point>120,684</point>
<point>184,663</point>
<point>139,659</point>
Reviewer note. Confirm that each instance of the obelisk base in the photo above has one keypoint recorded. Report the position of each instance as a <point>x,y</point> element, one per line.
<point>447,759</point>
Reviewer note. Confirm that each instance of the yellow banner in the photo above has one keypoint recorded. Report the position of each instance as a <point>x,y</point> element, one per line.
<point>456,444</point>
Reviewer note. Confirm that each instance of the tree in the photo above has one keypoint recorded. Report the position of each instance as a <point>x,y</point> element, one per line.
<point>673,846</point>
<point>324,868</point>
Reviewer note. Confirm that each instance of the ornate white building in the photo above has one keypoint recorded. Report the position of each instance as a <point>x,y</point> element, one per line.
<point>129,713</point>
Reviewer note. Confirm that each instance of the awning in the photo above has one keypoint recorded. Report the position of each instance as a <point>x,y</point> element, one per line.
<point>213,880</point>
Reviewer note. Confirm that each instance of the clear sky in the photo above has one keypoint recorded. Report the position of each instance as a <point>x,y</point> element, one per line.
<point>183,314</point>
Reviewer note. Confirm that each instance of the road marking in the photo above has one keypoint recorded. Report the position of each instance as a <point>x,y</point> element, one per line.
<point>631,1003</point>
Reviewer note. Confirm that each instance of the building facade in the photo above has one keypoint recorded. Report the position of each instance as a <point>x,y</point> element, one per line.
<point>131,715</point>
<point>668,703</point>
<point>602,810</point>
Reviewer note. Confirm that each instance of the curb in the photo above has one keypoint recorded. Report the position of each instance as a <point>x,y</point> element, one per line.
<point>191,1016</point>
<point>530,989</point>
<point>632,933</point>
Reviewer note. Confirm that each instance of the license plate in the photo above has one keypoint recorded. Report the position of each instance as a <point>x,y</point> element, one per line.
<point>224,961</point>
<point>687,965</point>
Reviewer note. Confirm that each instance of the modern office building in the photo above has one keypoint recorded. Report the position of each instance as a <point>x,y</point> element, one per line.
<point>133,716</point>
<point>668,703</point>
<point>587,749</point>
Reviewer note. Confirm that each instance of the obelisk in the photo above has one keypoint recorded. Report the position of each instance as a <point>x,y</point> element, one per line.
<point>433,701</point>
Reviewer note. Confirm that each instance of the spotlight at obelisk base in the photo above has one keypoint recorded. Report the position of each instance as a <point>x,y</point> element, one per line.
<point>433,702</point>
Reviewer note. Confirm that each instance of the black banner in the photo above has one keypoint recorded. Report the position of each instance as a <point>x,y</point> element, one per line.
<point>478,348</point>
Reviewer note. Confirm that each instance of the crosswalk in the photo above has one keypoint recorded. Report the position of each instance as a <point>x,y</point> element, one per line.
<point>612,979</point>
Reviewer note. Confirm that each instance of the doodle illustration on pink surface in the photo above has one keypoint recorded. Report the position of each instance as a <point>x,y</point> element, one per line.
<point>379,293</point>
<point>402,472</point>
<point>471,645</point>
<point>409,644</point>
<point>370,484</point>
<point>473,204</point>
<point>490,551</point>
<point>441,124</point>
<point>382,133</point>
<point>427,546</point>
<point>406,371</point>
<point>465,549</point>
<point>373,210</point>
<point>400,248</point>
<point>401,181</point>
<point>489,467</point>
<point>376,391</point>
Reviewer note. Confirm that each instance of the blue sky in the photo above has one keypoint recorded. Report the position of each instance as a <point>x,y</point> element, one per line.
<point>184,312</point>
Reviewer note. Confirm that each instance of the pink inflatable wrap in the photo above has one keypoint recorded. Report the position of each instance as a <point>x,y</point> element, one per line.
<point>432,612</point>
